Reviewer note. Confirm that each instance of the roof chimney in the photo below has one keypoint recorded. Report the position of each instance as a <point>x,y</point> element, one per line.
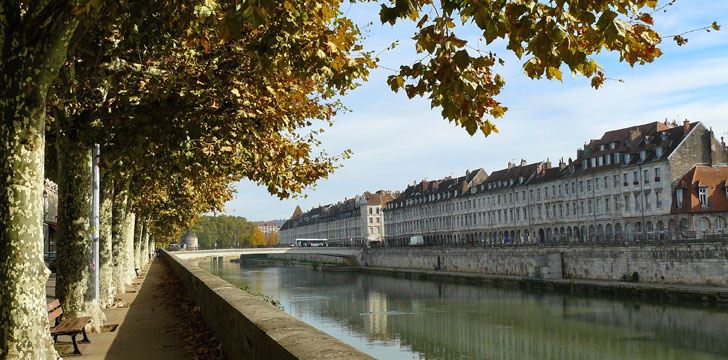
<point>562,164</point>
<point>548,164</point>
<point>523,162</point>
<point>510,164</point>
<point>686,126</point>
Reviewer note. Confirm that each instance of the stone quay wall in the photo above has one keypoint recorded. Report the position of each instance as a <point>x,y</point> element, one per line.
<point>250,328</point>
<point>693,263</point>
<point>321,258</point>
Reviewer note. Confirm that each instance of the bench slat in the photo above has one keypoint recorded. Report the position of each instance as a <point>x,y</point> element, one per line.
<point>54,314</point>
<point>71,325</point>
<point>53,304</point>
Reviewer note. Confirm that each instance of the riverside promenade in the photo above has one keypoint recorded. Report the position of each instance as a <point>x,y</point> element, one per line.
<point>145,329</point>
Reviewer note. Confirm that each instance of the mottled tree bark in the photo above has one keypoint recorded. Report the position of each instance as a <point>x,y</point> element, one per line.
<point>106,264</point>
<point>74,279</point>
<point>118,220</point>
<point>143,255</point>
<point>128,235</point>
<point>138,233</point>
<point>32,50</point>
<point>151,247</point>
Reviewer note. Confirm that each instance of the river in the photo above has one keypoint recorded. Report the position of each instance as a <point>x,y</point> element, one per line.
<point>397,318</point>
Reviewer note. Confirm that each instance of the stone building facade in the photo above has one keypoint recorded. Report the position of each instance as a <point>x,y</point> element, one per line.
<point>353,222</point>
<point>50,216</point>
<point>621,187</point>
<point>268,228</point>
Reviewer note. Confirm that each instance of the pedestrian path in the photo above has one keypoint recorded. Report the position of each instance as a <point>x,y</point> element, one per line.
<point>144,329</point>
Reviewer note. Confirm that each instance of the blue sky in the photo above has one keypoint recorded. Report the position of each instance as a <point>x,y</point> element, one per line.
<point>396,141</point>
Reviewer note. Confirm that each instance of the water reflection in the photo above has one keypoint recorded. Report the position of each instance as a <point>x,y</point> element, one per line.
<point>396,318</point>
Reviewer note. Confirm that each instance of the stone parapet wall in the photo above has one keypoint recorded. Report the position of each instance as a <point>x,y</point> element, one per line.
<point>703,263</point>
<point>250,328</point>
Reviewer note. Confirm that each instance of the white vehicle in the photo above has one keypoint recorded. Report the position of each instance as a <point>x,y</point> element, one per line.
<point>417,241</point>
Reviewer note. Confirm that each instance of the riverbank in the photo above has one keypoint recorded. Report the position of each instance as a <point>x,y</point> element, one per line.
<point>674,293</point>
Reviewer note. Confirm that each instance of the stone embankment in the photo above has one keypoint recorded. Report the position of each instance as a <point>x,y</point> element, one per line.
<point>250,328</point>
<point>695,271</point>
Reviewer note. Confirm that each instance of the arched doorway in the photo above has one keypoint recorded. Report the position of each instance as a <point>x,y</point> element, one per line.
<point>608,230</point>
<point>600,233</point>
<point>591,233</point>
<point>541,236</point>
<point>629,232</point>
<point>618,232</point>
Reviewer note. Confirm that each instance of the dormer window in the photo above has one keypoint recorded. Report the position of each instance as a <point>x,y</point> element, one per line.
<point>678,198</point>
<point>648,139</point>
<point>663,135</point>
<point>658,152</point>
<point>601,160</point>
<point>520,180</point>
<point>608,159</point>
<point>616,158</point>
<point>643,155</point>
<point>601,147</point>
<point>703,196</point>
<point>584,164</point>
<point>626,158</point>
<point>593,162</point>
<point>613,145</point>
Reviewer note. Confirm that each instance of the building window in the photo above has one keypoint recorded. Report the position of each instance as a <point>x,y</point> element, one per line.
<point>596,184</point>
<point>573,187</point>
<point>599,206</point>
<point>658,199</point>
<point>616,203</point>
<point>601,160</point>
<point>588,185</point>
<point>625,179</point>
<point>657,174</point>
<point>636,177</point>
<point>703,196</point>
<point>371,220</point>
<point>678,198</point>
<point>615,179</point>
<point>647,176</point>
<point>647,200</point>
<point>626,202</point>
<point>606,205</point>
<point>643,155</point>
<point>658,152</point>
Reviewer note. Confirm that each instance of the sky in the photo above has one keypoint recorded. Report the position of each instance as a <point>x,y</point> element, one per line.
<point>397,141</point>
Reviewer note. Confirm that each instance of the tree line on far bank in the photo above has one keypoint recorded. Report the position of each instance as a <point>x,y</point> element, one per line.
<point>224,231</point>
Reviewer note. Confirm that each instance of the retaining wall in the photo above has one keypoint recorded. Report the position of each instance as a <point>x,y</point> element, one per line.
<point>704,263</point>
<point>249,328</point>
<point>322,258</point>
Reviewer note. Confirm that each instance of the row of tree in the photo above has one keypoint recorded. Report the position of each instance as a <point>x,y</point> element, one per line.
<point>230,231</point>
<point>187,96</point>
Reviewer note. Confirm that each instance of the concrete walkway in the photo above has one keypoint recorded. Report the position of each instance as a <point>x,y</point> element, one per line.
<point>144,328</point>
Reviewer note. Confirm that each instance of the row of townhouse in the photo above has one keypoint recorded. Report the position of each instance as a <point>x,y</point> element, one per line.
<point>352,222</point>
<point>654,181</point>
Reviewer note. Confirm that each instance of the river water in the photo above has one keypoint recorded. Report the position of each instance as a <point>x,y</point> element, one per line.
<point>396,318</point>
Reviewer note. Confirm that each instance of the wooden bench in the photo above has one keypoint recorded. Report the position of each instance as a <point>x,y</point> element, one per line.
<point>70,327</point>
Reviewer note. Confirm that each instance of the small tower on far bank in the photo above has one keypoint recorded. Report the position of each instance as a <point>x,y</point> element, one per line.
<point>189,241</point>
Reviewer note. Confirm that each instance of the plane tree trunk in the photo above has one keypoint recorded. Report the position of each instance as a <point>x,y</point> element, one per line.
<point>74,281</point>
<point>106,263</point>
<point>118,251</point>
<point>33,46</point>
